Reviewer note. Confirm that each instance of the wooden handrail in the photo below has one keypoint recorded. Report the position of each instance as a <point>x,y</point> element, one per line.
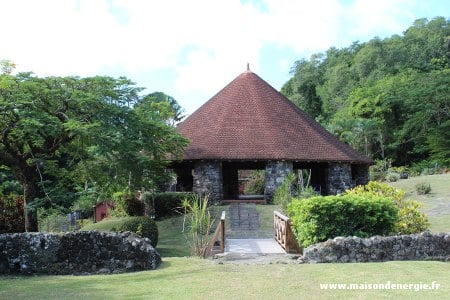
<point>284,234</point>
<point>217,243</point>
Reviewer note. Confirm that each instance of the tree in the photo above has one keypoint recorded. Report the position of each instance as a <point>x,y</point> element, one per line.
<point>53,126</point>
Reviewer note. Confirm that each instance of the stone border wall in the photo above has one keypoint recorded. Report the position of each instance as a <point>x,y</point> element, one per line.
<point>423,246</point>
<point>78,253</point>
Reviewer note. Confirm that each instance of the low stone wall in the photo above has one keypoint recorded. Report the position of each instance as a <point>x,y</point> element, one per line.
<point>423,246</point>
<point>78,253</point>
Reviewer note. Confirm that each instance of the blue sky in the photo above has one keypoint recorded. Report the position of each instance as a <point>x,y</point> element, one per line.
<point>192,49</point>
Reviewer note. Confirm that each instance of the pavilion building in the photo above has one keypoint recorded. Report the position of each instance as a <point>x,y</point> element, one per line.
<point>249,125</point>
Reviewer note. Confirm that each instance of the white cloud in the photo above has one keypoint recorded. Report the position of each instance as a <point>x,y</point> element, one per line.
<point>207,43</point>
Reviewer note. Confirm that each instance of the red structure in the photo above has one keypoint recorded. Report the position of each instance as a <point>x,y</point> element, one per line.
<point>102,210</point>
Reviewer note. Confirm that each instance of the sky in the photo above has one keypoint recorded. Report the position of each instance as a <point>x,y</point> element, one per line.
<point>191,49</point>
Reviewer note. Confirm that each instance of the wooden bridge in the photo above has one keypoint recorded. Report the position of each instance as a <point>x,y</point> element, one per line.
<point>244,224</point>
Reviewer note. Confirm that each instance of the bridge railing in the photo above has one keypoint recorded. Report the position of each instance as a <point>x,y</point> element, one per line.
<point>217,243</point>
<point>284,234</point>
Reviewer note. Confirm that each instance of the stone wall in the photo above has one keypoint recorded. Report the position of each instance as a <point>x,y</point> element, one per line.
<point>423,246</point>
<point>208,180</point>
<point>275,173</point>
<point>79,253</point>
<point>339,178</point>
<point>360,174</point>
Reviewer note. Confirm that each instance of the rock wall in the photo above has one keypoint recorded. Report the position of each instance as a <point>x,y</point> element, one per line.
<point>339,178</point>
<point>361,174</point>
<point>275,173</point>
<point>78,253</point>
<point>423,246</point>
<point>208,180</point>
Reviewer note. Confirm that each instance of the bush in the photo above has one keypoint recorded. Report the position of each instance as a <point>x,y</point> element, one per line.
<point>423,188</point>
<point>410,218</point>
<point>320,218</point>
<point>200,223</point>
<point>164,204</point>
<point>378,171</point>
<point>283,194</point>
<point>255,184</point>
<point>12,214</point>
<point>134,206</point>
<point>143,226</point>
<point>392,177</point>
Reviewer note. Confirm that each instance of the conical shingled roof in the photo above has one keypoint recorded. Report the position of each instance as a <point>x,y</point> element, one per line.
<point>250,120</point>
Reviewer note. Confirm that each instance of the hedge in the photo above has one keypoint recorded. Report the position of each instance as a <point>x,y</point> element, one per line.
<point>166,204</point>
<point>143,226</point>
<point>320,218</point>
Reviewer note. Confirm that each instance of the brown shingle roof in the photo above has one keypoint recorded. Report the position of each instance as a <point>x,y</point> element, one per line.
<point>250,120</point>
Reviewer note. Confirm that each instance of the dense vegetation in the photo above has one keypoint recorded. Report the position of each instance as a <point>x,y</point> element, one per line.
<point>388,98</point>
<point>320,218</point>
<point>69,141</point>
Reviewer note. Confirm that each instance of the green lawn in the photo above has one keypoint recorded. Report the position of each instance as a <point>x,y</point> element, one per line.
<point>435,204</point>
<point>192,278</point>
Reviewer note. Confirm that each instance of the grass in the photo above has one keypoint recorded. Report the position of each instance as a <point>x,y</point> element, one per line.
<point>435,204</point>
<point>192,278</point>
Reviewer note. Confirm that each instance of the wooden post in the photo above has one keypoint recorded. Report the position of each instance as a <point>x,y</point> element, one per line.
<point>222,224</point>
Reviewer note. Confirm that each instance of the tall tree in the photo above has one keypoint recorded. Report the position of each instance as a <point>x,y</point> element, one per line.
<point>50,123</point>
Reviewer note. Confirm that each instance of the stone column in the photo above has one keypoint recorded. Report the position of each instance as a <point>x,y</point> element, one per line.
<point>208,180</point>
<point>361,174</point>
<point>339,178</point>
<point>276,171</point>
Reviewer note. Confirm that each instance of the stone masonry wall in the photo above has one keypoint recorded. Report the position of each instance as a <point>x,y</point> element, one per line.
<point>361,174</point>
<point>208,180</point>
<point>339,178</point>
<point>78,253</point>
<point>423,246</point>
<point>275,173</point>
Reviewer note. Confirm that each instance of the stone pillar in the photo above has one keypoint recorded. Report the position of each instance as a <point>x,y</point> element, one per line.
<point>339,178</point>
<point>360,174</point>
<point>276,171</point>
<point>208,180</point>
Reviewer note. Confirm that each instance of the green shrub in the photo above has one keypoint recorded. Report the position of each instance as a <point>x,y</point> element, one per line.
<point>133,206</point>
<point>320,218</point>
<point>283,194</point>
<point>392,177</point>
<point>200,222</point>
<point>378,171</point>
<point>12,214</point>
<point>423,188</point>
<point>256,183</point>
<point>143,226</point>
<point>164,204</point>
<point>410,218</point>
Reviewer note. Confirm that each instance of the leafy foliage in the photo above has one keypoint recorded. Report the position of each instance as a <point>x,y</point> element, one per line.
<point>423,188</point>
<point>166,204</point>
<point>283,194</point>
<point>410,218</point>
<point>387,98</point>
<point>317,219</point>
<point>143,226</point>
<point>199,222</point>
<point>256,183</point>
<point>12,214</point>
<point>62,133</point>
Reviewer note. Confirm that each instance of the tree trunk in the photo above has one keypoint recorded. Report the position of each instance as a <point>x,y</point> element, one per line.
<point>30,191</point>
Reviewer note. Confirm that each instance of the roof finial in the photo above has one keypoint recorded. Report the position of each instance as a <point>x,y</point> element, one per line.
<point>248,66</point>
